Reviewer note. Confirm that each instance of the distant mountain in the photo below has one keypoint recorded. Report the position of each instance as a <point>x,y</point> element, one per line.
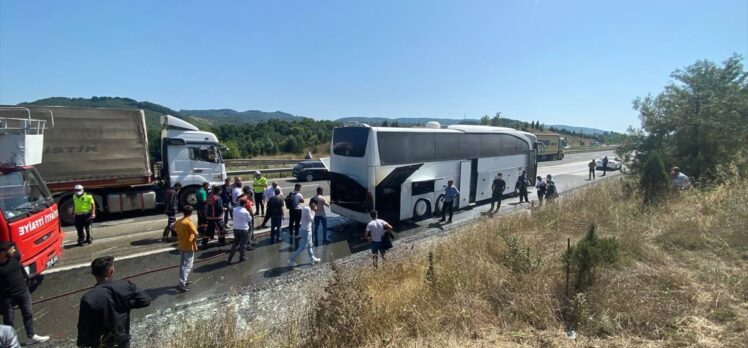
<point>233,116</point>
<point>579,130</point>
<point>407,120</point>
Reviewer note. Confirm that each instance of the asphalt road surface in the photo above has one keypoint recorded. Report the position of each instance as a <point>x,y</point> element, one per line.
<point>153,265</point>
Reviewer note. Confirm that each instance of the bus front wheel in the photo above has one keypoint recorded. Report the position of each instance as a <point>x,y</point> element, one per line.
<point>421,210</point>
<point>439,205</point>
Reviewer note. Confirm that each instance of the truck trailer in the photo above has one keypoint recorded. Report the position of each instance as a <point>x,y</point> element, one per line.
<point>552,147</point>
<point>106,151</point>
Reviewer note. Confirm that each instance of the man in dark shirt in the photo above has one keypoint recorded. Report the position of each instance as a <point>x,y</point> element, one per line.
<point>13,291</point>
<point>214,215</point>
<point>172,206</point>
<point>521,185</point>
<point>497,190</point>
<point>275,212</point>
<point>104,319</point>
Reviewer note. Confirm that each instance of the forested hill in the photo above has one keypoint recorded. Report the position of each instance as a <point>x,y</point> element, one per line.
<point>233,116</point>
<point>244,138</point>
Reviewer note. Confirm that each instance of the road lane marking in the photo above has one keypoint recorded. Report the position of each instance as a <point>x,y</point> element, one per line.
<point>126,257</point>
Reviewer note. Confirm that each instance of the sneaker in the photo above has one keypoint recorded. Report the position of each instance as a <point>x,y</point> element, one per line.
<point>182,289</point>
<point>89,240</point>
<point>292,264</point>
<point>37,339</point>
<point>242,259</point>
<point>315,260</point>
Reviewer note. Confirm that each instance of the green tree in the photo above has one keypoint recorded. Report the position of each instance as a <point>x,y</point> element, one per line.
<point>653,180</point>
<point>385,124</point>
<point>495,119</point>
<point>699,120</point>
<point>484,120</point>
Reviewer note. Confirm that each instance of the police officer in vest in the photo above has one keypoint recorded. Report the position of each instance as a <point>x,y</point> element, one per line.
<point>84,209</point>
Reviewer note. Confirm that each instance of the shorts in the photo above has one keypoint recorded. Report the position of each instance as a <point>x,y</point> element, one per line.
<point>378,247</point>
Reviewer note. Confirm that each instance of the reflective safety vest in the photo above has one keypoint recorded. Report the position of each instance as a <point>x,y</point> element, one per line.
<point>260,184</point>
<point>83,204</point>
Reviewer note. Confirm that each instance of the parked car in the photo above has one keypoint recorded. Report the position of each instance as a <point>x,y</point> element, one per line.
<point>613,163</point>
<point>310,170</point>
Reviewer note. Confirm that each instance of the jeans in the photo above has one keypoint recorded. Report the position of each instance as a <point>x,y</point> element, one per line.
<point>169,231</point>
<point>240,241</point>
<point>275,228</point>
<point>83,221</point>
<point>24,303</point>
<point>320,220</point>
<point>591,175</point>
<point>294,224</point>
<point>185,266</point>
<point>447,206</point>
<point>496,199</point>
<point>304,243</point>
<point>260,203</point>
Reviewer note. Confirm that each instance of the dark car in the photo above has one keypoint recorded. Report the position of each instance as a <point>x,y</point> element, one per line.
<point>310,170</point>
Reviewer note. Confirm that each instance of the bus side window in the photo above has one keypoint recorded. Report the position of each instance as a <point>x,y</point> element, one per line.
<point>422,187</point>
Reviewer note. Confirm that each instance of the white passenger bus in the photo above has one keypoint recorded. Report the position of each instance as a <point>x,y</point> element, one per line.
<point>402,172</point>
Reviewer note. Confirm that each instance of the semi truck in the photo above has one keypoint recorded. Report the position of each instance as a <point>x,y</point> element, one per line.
<point>28,213</point>
<point>551,146</point>
<point>106,151</point>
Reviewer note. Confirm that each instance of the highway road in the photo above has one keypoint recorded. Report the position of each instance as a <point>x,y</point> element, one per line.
<point>135,243</point>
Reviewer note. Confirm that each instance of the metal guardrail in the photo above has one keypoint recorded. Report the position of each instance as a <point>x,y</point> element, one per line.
<point>591,149</point>
<point>247,162</point>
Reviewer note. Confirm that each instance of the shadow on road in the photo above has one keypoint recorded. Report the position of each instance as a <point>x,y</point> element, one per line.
<point>164,290</point>
<point>147,241</point>
<point>277,272</point>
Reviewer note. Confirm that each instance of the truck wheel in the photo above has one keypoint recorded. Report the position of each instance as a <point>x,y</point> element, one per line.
<point>65,210</point>
<point>188,196</point>
<point>421,210</point>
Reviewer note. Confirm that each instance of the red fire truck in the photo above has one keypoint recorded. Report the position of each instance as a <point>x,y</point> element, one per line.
<point>28,213</point>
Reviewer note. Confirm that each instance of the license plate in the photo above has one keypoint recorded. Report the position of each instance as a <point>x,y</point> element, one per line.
<point>52,261</point>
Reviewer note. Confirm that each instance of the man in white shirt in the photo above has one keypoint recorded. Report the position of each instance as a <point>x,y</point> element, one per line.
<point>307,217</point>
<point>320,218</point>
<point>269,193</point>
<point>375,233</point>
<point>242,221</point>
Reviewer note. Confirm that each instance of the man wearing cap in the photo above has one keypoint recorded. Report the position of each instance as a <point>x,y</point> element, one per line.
<point>84,208</point>
<point>259,185</point>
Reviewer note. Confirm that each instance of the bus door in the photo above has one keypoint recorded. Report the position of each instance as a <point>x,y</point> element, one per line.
<point>532,166</point>
<point>465,180</point>
<point>388,192</point>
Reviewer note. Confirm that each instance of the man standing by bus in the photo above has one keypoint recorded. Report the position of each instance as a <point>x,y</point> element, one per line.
<point>259,185</point>
<point>202,196</point>
<point>84,208</point>
<point>320,218</point>
<point>450,193</point>
<point>521,186</point>
<point>497,190</point>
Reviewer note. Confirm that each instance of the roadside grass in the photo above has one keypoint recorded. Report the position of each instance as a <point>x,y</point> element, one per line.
<point>680,279</point>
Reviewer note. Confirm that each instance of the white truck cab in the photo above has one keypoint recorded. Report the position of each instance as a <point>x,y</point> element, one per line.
<point>190,157</point>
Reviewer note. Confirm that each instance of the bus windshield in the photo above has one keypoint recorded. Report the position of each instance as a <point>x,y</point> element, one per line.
<point>350,141</point>
<point>22,191</point>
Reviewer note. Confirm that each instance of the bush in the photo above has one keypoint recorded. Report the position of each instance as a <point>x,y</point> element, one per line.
<point>654,180</point>
<point>587,255</point>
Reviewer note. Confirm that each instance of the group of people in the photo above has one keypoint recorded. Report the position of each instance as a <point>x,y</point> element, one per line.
<point>592,166</point>
<point>232,204</point>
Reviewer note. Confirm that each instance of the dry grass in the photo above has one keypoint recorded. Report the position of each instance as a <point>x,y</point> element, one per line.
<point>680,280</point>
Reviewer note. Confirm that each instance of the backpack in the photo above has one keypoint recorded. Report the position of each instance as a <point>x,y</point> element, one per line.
<point>290,204</point>
<point>550,190</point>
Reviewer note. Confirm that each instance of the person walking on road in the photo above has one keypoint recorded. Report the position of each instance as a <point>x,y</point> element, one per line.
<point>269,193</point>
<point>214,216</point>
<point>275,212</point>
<point>307,218</point>
<point>375,233</point>
<point>187,246</point>
<point>14,291</point>
<point>450,193</point>
<point>242,221</point>
<point>320,218</point>
<point>172,205</point>
<point>293,203</point>
<point>605,165</point>
<point>84,209</point>
<point>104,317</point>
<point>226,199</point>
<point>592,166</point>
<point>541,186</point>
<point>202,196</point>
<point>259,184</point>
<point>497,191</point>
<point>521,186</point>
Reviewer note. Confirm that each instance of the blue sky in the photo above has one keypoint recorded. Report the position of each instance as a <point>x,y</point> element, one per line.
<point>560,62</point>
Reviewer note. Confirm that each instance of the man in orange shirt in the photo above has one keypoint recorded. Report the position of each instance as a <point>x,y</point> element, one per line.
<point>187,245</point>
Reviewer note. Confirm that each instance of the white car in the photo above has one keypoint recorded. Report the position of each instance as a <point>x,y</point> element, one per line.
<point>613,163</point>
